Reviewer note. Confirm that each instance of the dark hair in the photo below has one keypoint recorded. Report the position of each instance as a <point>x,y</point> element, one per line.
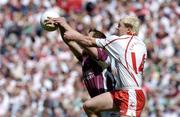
<point>97,33</point>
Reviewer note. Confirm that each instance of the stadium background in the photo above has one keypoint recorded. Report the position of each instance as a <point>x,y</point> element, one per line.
<point>39,77</point>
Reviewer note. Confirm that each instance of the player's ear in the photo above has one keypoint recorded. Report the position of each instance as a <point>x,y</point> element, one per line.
<point>129,31</point>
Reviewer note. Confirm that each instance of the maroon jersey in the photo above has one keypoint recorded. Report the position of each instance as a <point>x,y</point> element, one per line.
<point>96,79</point>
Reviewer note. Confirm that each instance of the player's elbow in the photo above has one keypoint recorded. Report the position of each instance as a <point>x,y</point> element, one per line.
<point>91,42</point>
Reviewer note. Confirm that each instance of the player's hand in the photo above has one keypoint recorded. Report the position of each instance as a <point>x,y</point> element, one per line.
<point>60,21</point>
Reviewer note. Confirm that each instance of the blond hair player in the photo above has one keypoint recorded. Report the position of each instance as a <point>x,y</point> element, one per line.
<point>127,54</point>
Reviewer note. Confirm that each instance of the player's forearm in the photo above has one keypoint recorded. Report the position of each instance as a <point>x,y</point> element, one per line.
<point>72,35</point>
<point>87,41</point>
<point>91,50</point>
<point>75,48</point>
<point>84,40</point>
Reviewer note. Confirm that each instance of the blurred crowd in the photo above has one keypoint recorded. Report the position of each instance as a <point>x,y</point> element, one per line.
<point>39,76</point>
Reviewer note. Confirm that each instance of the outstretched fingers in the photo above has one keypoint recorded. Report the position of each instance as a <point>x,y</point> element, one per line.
<point>59,21</point>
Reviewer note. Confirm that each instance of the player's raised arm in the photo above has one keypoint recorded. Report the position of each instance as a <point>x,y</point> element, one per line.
<point>96,53</point>
<point>70,36</point>
<point>73,35</point>
<point>84,40</point>
<point>77,40</point>
<point>74,47</point>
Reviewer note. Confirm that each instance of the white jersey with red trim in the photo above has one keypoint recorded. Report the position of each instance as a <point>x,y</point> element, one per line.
<point>127,55</point>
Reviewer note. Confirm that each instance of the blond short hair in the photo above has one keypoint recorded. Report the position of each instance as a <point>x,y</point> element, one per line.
<point>132,22</point>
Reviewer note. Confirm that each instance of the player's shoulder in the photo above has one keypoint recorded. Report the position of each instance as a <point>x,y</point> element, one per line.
<point>115,37</point>
<point>139,40</point>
